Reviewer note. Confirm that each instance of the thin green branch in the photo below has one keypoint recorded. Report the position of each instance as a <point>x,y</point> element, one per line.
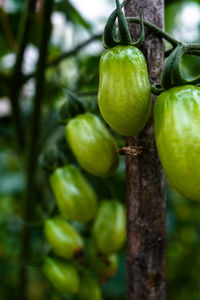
<point>66,55</point>
<point>156,29</point>
<point>33,150</point>
<point>194,52</point>
<point>5,78</point>
<point>16,77</point>
<point>7,28</point>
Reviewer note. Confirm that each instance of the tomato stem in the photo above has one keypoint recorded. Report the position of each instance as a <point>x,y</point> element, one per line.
<point>125,37</point>
<point>124,34</point>
<point>109,40</point>
<point>156,89</point>
<point>172,74</point>
<point>177,76</point>
<point>156,29</point>
<point>167,81</point>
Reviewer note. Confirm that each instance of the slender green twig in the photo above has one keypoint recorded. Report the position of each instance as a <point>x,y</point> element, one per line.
<point>16,77</point>
<point>65,55</point>
<point>168,52</point>
<point>56,60</point>
<point>156,29</point>
<point>33,152</point>
<point>7,28</point>
<point>5,78</point>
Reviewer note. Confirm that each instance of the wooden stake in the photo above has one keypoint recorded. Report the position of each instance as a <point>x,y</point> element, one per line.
<point>146,205</point>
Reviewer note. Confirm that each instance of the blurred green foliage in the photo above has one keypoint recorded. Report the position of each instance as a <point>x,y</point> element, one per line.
<point>79,73</point>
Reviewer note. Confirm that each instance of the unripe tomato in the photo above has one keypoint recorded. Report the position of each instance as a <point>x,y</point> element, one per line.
<point>89,288</point>
<point>64,239</point>
<point>75,196</point>
<point>177,130</point>
<point>63,276</point>
<point>124,91</point>
<point>92,144</point>
<point>109,229</point>
<point>104,266</point>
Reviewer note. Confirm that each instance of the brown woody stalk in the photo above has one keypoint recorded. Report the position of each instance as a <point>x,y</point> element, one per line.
<point>145,181</point>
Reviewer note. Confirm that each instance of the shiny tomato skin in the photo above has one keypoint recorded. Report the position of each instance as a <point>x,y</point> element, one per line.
<point>104,266</point>
<point>89,288</point>
<point>75,197</point>
<point>109,228</point>
<point>177,131</point>
<point>62,275</point>
<point>64,239</point>
<point>124,96</point>
<point>92,144</point>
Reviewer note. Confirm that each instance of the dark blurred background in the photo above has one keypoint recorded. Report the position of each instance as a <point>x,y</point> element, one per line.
<point>73,23</point>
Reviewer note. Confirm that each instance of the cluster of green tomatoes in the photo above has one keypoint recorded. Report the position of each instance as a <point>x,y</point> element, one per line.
<point>78,266</point>
<point>125,103</point>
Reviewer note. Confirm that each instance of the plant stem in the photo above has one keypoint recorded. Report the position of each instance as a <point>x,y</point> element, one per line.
<point>159,32</point>
<point>146,206</point>
<point>7,28</point>
<point>54,62</point>
<point>5,78</point>
<point>33,152</point>
<point>69,53</point>
<point>15,83</point>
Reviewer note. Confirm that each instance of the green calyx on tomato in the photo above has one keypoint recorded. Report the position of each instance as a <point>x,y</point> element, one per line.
<point>75,196</point>
<point>72,107</point>
<point>124,34</point>
<point>63,276</point>
<point>124,96</point>
<point>177,132</point>
<point>104,266</point>
<point>92,144</point>
<point>56,155</point>
<point>172,74</point>
<point>89,288</point>
<point>64,239</point>
<point>49,159</point>
<point>109,229</point>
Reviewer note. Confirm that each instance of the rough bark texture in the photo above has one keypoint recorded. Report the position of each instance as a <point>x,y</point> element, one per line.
<point>145,180</point>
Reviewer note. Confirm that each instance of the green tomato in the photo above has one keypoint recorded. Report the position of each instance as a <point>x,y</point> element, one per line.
<point>104,266</point>
<point>64,239</point>
<point>124,91</point>
<point>89,288</point>
<point>75,196</point>
<point>109,229</point>
<point>63,276</point>
<point>177,131</point>
<point>92,144</point>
